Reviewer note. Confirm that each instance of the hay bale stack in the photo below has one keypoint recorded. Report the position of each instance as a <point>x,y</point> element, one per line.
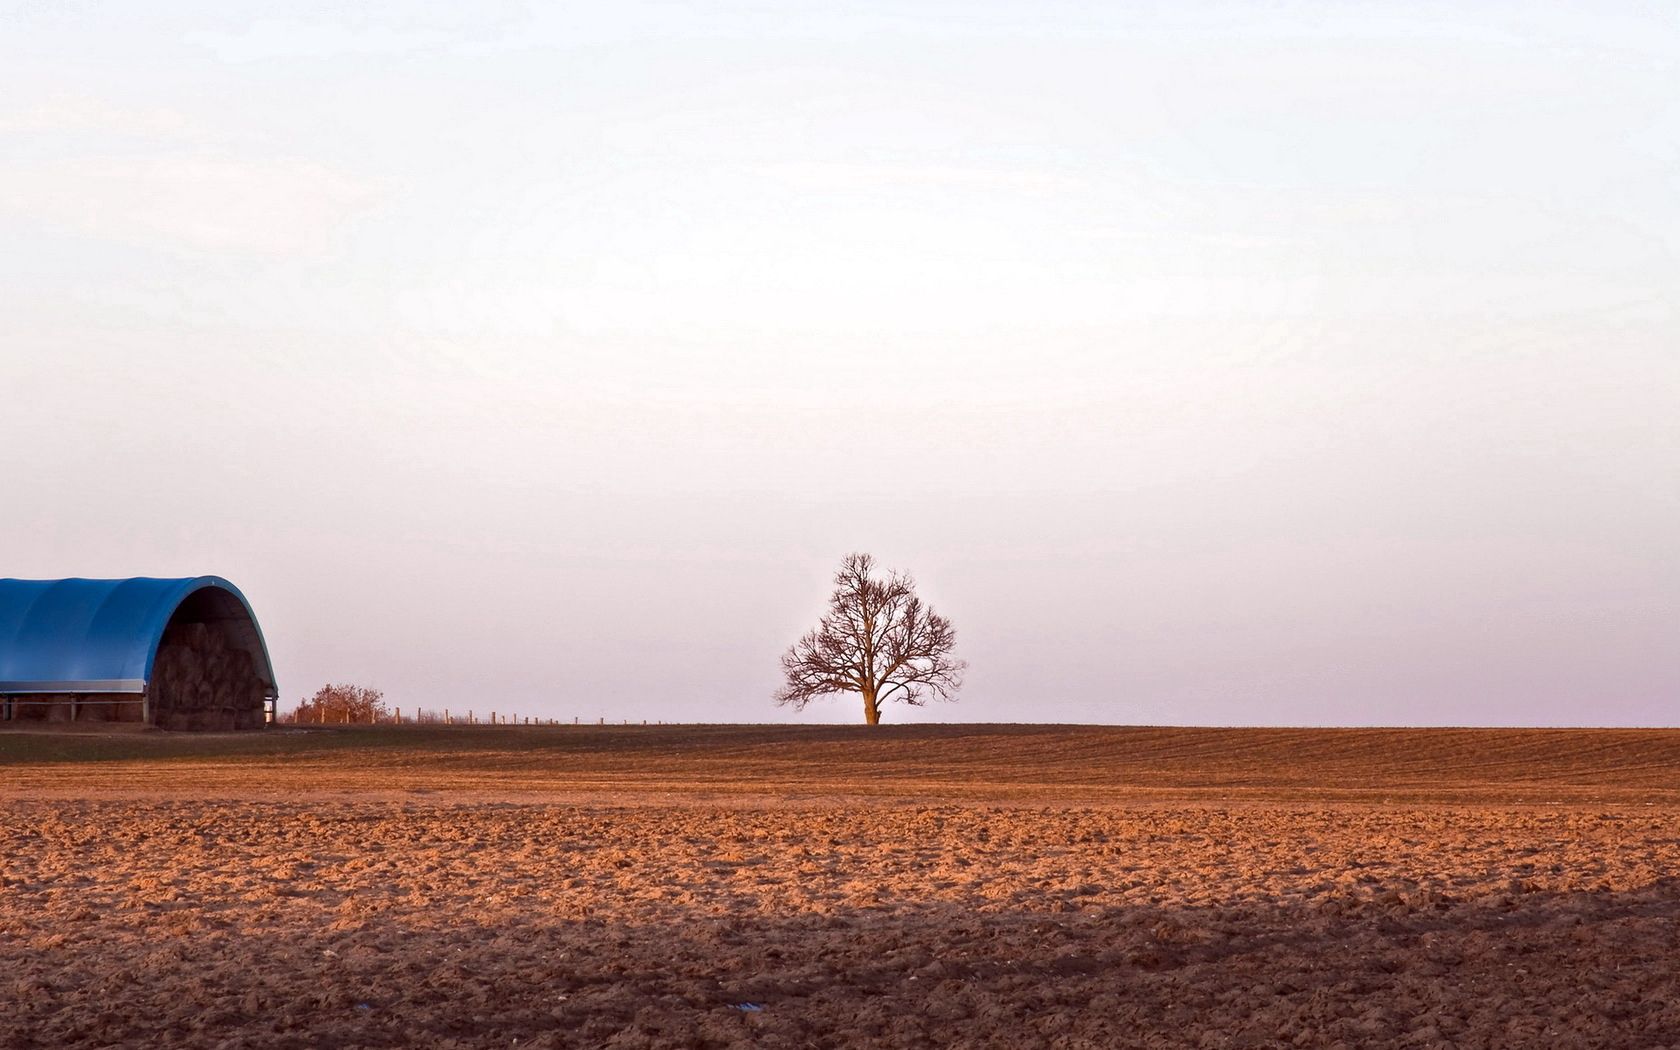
<point>200,682</point>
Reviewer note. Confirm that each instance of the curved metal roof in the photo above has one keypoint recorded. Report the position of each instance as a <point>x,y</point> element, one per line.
<point>101,636</point>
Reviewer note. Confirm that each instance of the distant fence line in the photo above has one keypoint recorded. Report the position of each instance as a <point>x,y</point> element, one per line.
<point>437,717</point>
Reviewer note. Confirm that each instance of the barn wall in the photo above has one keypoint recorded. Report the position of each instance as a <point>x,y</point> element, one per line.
<point>207,707</point>
<point>63,708</point>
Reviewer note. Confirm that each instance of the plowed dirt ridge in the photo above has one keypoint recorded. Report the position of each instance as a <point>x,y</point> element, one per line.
<point>920,887</point>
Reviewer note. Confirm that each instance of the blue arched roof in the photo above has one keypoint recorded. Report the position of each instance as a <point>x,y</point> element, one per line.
<point>101,636</point>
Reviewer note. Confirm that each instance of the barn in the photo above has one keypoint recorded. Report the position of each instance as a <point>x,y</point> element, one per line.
<point>177,654</point>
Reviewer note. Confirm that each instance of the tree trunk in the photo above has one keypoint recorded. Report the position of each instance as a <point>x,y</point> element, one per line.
<point>871,708</point>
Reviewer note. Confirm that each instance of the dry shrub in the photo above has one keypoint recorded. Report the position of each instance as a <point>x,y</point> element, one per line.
<point>342,703</point>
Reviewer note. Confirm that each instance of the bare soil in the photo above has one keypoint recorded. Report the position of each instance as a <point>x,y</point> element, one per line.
<point>984,886</point>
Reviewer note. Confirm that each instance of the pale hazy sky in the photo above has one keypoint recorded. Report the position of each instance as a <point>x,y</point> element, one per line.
<point>1281,363</point>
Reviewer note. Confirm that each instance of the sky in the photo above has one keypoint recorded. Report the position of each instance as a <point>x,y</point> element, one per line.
<point>1286,363</point>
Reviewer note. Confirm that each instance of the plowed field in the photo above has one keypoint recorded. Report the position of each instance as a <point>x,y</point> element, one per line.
<point>906,887</point>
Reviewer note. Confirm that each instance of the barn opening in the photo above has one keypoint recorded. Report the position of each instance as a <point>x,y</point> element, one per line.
<point>172,653</point>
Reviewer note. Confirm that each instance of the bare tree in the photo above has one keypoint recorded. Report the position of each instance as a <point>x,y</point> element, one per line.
<point>877,639</point>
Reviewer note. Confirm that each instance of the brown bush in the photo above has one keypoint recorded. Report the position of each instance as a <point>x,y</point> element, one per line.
<point>342,703</point>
